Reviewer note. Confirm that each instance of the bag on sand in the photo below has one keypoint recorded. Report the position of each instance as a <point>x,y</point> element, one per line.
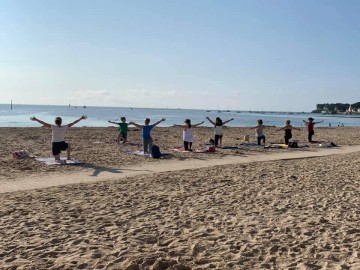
<point>155,152</point>
<point>293,144</point>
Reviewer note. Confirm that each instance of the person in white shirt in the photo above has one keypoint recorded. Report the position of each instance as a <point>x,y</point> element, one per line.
<point>58,135</point>
<point>187,133</point>
<point>218,124</point>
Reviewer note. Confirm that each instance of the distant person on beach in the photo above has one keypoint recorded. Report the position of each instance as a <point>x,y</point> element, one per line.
<point>288,128</point>
<point>218,124</point>
<point>187,133</point>
<point>123,130</point>
<point>146,133</point>
<point>310,126</point>
<point>259,129</point>
<point>58,135</point>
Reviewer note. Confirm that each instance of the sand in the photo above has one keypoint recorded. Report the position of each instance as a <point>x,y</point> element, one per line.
<point>281,214</point>
<point>97,146</point>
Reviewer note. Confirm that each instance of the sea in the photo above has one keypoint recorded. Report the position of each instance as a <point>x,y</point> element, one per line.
<point>19,116</point>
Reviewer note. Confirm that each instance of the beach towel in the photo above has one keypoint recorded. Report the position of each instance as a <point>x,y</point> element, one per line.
<point>51,161</point>
<point>276,145</point>
<point>139,153</point>
<point>327,145</point>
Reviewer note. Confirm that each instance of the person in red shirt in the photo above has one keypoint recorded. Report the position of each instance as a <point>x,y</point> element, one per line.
<point>310,126</point>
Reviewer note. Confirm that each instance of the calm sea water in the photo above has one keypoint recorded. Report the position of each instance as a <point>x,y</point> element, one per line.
<point>98,116</point>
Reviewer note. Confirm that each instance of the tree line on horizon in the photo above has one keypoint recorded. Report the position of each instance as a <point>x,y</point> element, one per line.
<point>336,107</point>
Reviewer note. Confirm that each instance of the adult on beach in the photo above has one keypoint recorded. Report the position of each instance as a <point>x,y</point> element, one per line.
<point>187,133</point>
<point>146,133</point>
<point>58,135</point>
<point>218,124</point>
<point>310,126</point>
<point>259,130</point>
<point>288,128</point>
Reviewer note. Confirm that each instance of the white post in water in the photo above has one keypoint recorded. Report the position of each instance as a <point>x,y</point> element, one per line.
<point>11,105</point>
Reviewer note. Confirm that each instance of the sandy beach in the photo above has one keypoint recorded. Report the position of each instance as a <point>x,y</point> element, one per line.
<point>266,214</point>
<point>97,146</point>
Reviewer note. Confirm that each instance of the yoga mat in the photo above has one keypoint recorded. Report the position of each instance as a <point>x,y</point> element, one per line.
<point>64,161</point>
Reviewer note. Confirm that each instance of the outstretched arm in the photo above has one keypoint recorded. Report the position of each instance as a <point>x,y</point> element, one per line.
<point>198,124</point>
<point>211,121</point>
<point>227,121</point>
<point>41,122</point>
<point>318,122</point>
<point>113,122</point>
<point>280,129</point>
<point>158,122</point>
<point>77,121</point>
<point>136,125</point>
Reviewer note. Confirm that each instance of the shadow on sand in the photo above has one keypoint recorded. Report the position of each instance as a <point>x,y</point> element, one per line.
<point>100,169</point>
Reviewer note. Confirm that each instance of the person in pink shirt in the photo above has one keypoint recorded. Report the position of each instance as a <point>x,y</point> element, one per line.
<point>310,126</point>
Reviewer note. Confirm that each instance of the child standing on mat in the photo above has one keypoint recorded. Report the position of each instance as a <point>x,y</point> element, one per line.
<point>123,130</point>
<point>146,133</point>
<point>58,135</point>
<point>310,126</point>
<point>288,128</point>
<point>187,133</point>
<point>218,124</point>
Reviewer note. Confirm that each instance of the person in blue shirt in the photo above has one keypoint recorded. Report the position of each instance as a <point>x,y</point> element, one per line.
<point>146,133</point>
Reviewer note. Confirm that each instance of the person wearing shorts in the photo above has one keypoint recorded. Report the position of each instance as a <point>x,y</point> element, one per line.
<point>58,135</point>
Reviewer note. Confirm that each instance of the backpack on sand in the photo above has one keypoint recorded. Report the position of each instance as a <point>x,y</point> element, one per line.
<point>155,152</point>
<point>293,144</point>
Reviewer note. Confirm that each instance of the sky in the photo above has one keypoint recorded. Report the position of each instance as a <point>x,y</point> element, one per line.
<point>206,54</point>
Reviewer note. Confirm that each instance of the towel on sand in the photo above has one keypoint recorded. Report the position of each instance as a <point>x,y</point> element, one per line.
<point>64,161</point>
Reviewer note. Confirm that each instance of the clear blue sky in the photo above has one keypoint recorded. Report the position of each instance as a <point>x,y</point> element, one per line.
<point>258,55</point>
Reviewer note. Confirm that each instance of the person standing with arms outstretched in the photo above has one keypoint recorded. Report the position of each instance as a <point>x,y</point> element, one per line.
<point>123,130</point>
<point>288,128</point>
<point>310,126</point>
<point>146,133</point>
<point>58,135</point>
<point>187,133</point>
<point>218,124</point>
<point>259,130</point>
